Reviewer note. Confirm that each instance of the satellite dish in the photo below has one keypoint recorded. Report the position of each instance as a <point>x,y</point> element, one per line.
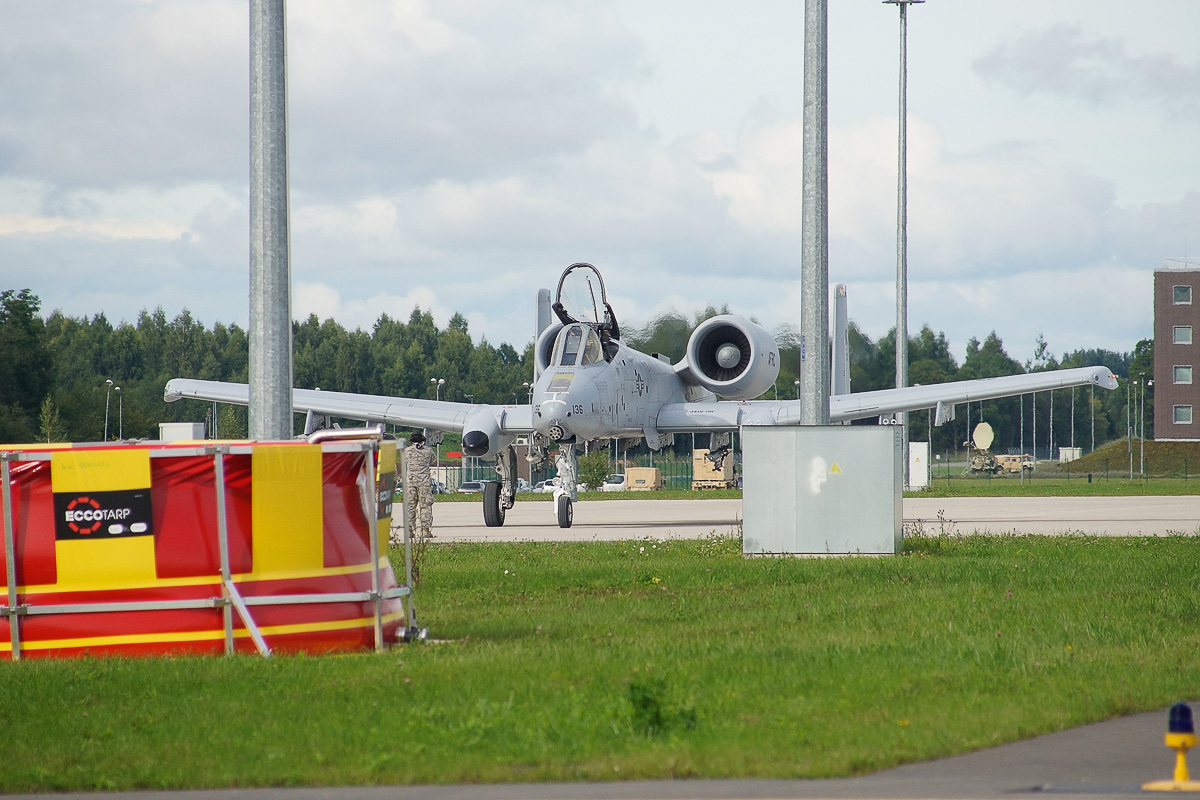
<point>983,436</point>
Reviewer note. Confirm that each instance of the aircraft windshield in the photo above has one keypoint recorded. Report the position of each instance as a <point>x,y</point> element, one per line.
<point>579,345</point>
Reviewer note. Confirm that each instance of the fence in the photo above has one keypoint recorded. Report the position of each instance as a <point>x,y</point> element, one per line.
<point>156,549</point>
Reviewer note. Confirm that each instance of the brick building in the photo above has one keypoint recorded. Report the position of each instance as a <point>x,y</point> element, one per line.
<point>1176,351</point>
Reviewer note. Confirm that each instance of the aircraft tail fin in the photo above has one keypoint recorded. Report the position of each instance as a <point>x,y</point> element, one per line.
<point>840,374</point>
<point>543,321</point>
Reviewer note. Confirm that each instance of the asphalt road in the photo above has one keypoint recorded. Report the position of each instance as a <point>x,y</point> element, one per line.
<point>608,520</point>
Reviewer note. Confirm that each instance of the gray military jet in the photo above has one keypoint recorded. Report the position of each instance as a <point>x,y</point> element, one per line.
<point>589,386</point>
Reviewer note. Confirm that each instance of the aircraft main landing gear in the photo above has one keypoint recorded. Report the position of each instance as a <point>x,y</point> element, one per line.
<point>565,510</point>
<point>499,496</point>
<point>493,509</point>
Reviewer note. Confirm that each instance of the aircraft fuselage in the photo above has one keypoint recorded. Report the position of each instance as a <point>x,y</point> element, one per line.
<point>602,398</point>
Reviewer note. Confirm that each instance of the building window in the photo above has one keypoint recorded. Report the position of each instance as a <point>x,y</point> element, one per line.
<point>1181,334</point>
<point>1181,295</point>
<point>1182,415</point>
<point>1182,374</point>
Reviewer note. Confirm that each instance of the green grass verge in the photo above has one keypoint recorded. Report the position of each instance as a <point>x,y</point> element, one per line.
<point>647,659</point>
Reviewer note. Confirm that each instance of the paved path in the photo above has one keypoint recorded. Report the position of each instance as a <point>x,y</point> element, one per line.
<point>1108,759</point>
<point>608,520</point>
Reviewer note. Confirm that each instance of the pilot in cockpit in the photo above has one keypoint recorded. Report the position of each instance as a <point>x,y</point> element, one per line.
<point>580,346</point>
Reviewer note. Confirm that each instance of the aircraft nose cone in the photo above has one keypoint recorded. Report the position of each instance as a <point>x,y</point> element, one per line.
<point>553,418</point>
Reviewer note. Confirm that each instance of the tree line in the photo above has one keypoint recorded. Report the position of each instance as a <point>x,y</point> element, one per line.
<point>55,369</point>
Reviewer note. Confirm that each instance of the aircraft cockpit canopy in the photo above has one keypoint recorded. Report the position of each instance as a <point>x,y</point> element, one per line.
<point>578,345</point>
<point>581,299</point>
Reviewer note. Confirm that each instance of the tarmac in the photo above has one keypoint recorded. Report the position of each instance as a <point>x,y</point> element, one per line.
<point>610,520</point>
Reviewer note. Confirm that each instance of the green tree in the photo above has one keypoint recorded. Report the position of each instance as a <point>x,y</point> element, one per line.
<point>593,468</point>
<point>26,373</point>
<point>51,425</point>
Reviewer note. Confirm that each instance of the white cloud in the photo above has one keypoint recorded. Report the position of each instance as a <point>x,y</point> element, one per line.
<point>456,156</point>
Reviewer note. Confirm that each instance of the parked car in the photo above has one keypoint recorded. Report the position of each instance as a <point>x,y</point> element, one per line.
<point>471,487</point>
<point>614,483</point>
<point>544,487</point>
<point>523,485</point>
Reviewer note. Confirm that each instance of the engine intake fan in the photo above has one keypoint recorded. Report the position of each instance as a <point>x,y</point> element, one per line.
<point>731,357</point>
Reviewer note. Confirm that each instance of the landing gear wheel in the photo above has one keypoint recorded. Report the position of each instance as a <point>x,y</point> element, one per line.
<point>566,512</point>
<point>493,511</point>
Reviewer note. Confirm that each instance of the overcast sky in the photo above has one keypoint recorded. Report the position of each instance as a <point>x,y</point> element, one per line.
<point>459,155</point>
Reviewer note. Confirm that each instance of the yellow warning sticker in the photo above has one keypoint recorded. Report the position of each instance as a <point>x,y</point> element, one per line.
<point>835,469</point>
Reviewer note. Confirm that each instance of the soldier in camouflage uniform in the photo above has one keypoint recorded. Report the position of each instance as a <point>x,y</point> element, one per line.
<point>418,461</point>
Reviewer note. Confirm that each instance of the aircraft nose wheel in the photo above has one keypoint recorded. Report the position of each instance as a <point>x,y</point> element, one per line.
<point>566,512</point>
<point>493,511</point>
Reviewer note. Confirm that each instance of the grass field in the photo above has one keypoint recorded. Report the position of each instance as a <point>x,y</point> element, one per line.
<point>647,659</point>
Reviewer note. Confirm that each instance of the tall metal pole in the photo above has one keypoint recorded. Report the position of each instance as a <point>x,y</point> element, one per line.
<point>270,271</point>
<point>902,230</point>
<point>1142,427</point>
<point>107,398</point>
<point>814,268</point>
<point>1128,428</point>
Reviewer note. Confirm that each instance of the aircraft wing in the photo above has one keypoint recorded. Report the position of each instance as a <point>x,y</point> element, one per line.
<point>439,415</point>
<point>729,415</point>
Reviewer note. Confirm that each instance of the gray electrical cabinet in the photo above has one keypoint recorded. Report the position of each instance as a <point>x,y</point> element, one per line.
<point>822,490</point>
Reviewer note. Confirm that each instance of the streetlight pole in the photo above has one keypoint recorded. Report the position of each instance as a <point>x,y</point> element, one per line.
<point>1128,427</point>
<point>107,398</point>
<point>121,413</point>
<point>814,220</point>
<point>1142,426</point>
<point>528,387</point>
<point>438,383</point>
<point>902,231</point>
<point>797,383</point>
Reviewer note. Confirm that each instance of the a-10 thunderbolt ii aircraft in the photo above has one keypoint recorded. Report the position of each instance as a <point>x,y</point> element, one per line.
<point>589,385</point>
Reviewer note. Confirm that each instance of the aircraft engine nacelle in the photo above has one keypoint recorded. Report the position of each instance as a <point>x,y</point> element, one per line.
<point>481,434</point>
<point>732,357</point>
<point>544,348</point>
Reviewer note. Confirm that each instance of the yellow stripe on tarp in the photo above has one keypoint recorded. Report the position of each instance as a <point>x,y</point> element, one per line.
<point>287,532</point>
<point>102,564</point>
<point>37,446</point>
<point>387,457</point>
<point>386,466</point>
<point>104,470</point>
<point>167,583</point>
<point>114,562</point>
<point>200,636</point>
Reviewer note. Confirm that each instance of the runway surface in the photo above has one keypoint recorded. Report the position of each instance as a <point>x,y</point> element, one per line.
<point>609,520</point>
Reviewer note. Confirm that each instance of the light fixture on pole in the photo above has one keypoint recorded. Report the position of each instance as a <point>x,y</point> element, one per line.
<point>797,383</point>
<point>107,398</point>
<point>528,387</point>
<point>438,383</point>
<point>902,230</point>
